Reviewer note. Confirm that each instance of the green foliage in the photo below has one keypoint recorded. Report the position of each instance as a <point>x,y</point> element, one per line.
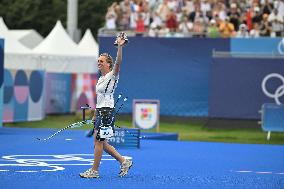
<point>42,15</point>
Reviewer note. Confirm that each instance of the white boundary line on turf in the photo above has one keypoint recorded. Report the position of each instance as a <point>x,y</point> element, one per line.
<point>258,172</point>
<point>263,172</point>
<point>243,171</point>
<point>53,162</point>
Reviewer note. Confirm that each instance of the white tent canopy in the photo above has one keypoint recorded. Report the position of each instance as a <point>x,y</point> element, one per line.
<point>17,56</point>
<point>12,45</point>
<point>88,44</point>
<point>58,53</point>
<point>29,38</point>
<point>57,42</point>
<point>3,27</point>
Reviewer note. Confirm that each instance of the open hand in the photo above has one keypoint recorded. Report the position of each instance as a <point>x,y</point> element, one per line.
<point>120,41</point>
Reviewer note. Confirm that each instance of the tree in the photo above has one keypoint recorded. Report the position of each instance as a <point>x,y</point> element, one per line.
<point>42,15</point>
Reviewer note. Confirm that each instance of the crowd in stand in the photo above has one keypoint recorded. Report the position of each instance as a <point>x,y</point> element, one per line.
<point>201,18</point>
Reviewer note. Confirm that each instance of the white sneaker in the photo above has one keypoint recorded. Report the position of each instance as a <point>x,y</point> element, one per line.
<point>124,167</point>
<point>90,173</point>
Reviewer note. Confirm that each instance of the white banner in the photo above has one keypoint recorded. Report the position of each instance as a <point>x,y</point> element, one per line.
<point>146,114</point>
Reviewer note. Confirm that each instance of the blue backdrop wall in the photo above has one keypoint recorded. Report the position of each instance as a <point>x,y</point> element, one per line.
<point>177,71</point>
<point>1,78</point>
<point>258,46</point>
<point>58,93</point>
<point>23,98</point>
<point>236,89</point>
<point>173,70</point>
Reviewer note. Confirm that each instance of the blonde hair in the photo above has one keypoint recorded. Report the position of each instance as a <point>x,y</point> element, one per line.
<point>109,59</point>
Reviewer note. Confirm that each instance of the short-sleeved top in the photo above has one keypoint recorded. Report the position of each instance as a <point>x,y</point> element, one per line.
<point>105,89</point>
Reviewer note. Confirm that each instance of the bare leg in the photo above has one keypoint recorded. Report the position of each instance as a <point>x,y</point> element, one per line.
<point>112,151</point>
<point>98,152</point>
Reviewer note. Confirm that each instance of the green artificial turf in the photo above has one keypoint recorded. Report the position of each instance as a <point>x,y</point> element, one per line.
<point>192,130</point>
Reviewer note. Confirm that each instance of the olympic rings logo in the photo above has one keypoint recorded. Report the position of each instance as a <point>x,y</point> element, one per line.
<point>281,47</point>
<point>279,92</point>
<point>47,163</point>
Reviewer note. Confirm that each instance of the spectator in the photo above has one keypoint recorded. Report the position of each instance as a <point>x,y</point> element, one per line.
<point>280,7</point>
<point>124,21</point>
<point>243,31</point>
<point>163,10</point>
<point>267,7</point>
<point>171,21</point>
<point>163,31</point>
<point>255,32</point>
<point>154,4</point>
<point>219,10</point>
<point>257,16</point>
<point>198,27</point>
<point>226,28</point>
<point>157,19</point>
<point>146,11</point>
<point>180,4</point>
<point>172,13</point>
<point>276,21</point>
<point>133,15</point>
<point>265,27</point>
<point>180,13</point>
<point>196,13</point>
<point>185,27</point>
<point>213,30</point>
<point>119,15</point>
<point>249,18</point>
<point>140,25</point>
<point>254,3</point>
<point>125,6</point>
<point>243,19</point>
<point>243,5</point>
<point>153,30</point>
<point>183,13</point>
<point>111,17</point>
<point>188,6</point>
<point>205,7</point>
<point>173,5</point>
<point>234,16</point>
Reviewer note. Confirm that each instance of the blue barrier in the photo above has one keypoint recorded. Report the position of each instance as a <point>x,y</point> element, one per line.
<point>175,71</point>
<point>272,119</point>
<point>178,72</point>
<point>1,62</point>
<point>236,86</point>
<point>257,46</point>
<point>1,78</point>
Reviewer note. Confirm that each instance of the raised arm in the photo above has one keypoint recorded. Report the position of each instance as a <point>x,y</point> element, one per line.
<point>120,42</point>
<point>118,60</point>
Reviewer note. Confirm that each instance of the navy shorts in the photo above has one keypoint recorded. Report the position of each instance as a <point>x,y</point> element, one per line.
<point>105,118</point>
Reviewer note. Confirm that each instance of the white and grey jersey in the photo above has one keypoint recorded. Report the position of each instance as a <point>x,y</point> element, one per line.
<point>105,89</point>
